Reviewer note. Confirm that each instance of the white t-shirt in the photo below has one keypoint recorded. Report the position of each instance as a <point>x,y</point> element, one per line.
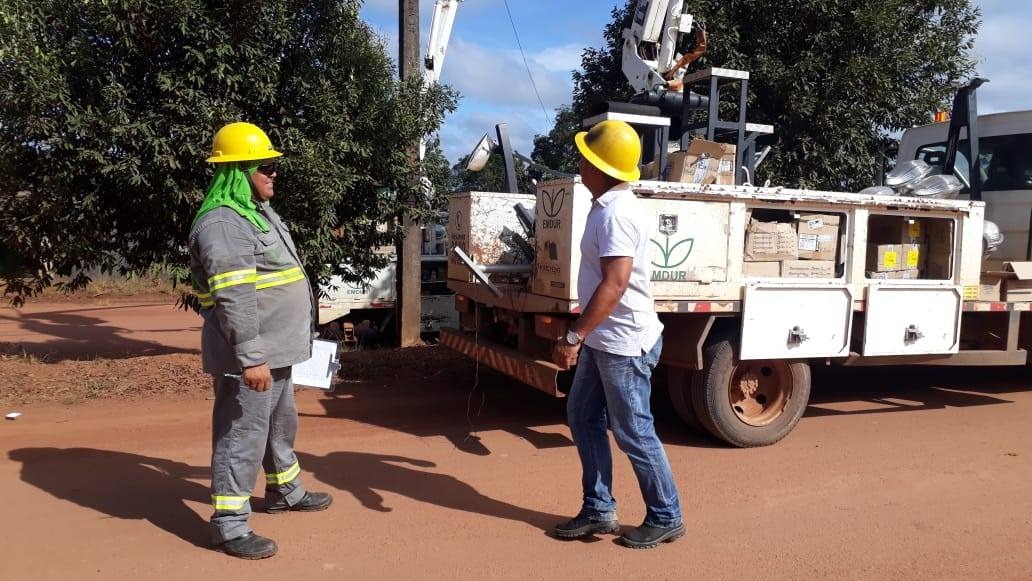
<point>617,226</point>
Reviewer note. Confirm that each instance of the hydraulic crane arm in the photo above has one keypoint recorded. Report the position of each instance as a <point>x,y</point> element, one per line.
<point>650,59</point>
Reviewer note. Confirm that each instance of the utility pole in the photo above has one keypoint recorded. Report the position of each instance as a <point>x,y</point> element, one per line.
<point>409,251</point>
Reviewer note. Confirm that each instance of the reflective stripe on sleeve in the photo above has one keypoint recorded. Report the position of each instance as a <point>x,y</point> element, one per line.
<point>227,279</point>
<point>206,300</point>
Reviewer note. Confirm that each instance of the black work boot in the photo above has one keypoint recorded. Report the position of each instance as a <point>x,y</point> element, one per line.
<point>275,503</point>
<point>646,537</point>
<point>249,546</point>
<point>582,526</point>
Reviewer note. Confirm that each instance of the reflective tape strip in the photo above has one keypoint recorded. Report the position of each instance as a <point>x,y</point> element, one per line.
<point>280,278</point>
<point>232,282</point>
<point>285,476</point>
<point>206,300</point>
<point>229,502</point>
<point>227,279</point>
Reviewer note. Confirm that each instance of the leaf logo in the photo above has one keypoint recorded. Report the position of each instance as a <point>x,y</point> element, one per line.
<point>458,220</point>
<point>670,253</point>
<point>553,201</point>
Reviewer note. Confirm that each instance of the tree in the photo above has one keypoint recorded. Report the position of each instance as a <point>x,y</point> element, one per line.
<point>557,150</point>
<point>107,110</point>
<point>601,76</point>
<point>833,78</point>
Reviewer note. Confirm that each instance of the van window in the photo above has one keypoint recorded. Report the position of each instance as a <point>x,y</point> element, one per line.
<point>1005,161</point>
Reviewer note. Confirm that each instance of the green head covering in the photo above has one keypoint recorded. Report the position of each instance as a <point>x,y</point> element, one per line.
<point>231,188</point>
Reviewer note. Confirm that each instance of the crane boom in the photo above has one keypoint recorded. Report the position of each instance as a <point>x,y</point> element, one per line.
<point>440,34</point>
<point>650,58</point>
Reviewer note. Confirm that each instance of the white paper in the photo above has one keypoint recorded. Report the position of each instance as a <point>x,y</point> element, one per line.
<point>13,415</point>
<point>809,243</point>
<point>318,371</point>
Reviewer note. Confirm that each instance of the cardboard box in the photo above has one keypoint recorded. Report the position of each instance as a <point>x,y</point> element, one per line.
<point>990,287</point>
<point>762,269</point>
<point>938,262</point>
<point>808,269</point>
<point>818,236</point>
<point>650,171</point>
<point>884,257</point>
<point>894,257</point>
<point>704,163</point>
<point>770,241</point>
<point>912,274</point>
<point>912,256</point>
<point>895,230</point>
<point>1017,287</point>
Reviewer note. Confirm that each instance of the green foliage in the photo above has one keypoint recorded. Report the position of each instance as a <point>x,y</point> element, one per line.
<point>107,110</point>
<point>557,150</point>
<point>834,78</point>
<point>601,77</point>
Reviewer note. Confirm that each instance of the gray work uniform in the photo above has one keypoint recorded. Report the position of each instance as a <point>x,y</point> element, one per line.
<point>258,307</point>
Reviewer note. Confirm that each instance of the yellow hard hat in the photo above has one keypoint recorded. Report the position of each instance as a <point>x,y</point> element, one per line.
<point>613,147</point>
<point>241,142</point>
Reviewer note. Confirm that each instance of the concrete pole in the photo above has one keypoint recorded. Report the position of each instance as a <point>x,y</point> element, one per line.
<point>410,250</point>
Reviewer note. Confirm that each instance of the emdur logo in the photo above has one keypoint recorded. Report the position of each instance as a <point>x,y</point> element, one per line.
<point>553,201</point>
<point>671,258</point>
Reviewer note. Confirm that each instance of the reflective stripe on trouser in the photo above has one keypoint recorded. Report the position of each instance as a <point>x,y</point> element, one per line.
<point>251,430</point>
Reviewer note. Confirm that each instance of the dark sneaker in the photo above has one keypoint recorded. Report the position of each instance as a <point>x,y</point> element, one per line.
<point>582,526</point>
<point>275,503</point>
<point>249,546</point>
<point>646,537</point>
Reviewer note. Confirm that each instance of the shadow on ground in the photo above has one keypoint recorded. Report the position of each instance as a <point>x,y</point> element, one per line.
<point>853,391</point>
<point>122,485</point>
<point>366,475</point>
<point>78,336</point>
<point>448,397</point>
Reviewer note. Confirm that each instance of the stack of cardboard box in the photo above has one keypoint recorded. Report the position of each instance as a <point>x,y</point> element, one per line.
<point>805,247</point>
<point>1013,283</point>
<point>896,248</point>
<point>703,163</point>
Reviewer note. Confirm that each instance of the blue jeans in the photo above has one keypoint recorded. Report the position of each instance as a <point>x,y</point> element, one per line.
<point>620,385</point>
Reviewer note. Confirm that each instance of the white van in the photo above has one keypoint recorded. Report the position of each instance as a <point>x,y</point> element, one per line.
<point>1005,158</point>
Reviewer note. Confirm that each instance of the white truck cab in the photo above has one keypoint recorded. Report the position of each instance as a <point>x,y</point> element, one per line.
<point>1006,163</point>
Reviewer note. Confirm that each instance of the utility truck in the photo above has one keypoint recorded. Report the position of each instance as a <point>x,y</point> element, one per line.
<point>755,284</point>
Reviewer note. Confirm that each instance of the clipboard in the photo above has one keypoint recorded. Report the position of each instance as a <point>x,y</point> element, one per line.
<point>318,371</point>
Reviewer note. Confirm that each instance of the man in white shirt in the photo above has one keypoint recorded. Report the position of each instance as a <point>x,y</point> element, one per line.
<point>616,343</point>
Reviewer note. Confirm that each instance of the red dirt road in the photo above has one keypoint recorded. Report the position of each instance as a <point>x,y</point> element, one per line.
<point>903,474</point>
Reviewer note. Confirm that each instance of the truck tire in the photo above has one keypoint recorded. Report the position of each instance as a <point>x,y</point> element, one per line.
<point>679,387</point>
<point>748,403</point>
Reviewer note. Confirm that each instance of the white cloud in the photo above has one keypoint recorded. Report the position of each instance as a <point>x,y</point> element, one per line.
<point>500,77</point>
<point>559,59</point>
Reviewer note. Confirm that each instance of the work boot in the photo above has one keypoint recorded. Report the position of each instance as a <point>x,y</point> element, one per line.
<point>249,546</point>
<point>583,526</point>
<point>275,503</point>
<point>646,537</point>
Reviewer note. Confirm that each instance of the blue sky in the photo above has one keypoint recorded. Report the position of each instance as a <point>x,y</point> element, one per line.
<point>485,66</point>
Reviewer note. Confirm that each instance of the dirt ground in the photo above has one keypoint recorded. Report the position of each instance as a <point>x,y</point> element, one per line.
<point>892,474</point>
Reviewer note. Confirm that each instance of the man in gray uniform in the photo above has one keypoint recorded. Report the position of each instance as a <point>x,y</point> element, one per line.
<point>258,312</point>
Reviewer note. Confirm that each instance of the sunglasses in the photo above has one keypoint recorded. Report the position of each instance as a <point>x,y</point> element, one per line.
<point>267,168</point>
